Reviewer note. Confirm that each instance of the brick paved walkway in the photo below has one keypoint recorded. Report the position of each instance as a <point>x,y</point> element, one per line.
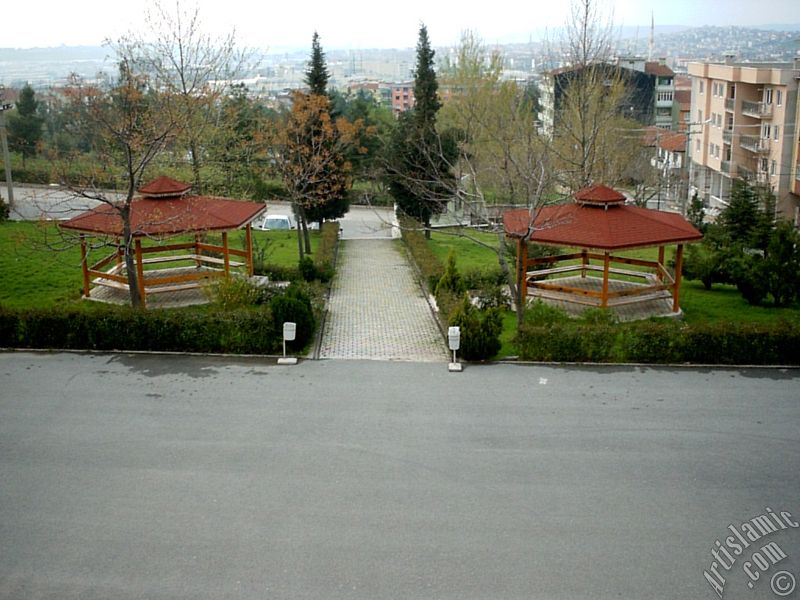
<point>376,309</point>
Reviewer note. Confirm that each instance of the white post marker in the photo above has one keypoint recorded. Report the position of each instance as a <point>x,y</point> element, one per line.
<point>289,335</point>
<point>454,341</point>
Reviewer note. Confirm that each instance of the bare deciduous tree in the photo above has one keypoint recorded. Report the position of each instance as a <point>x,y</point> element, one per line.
<point>194,66</point>
<point>131,123</point>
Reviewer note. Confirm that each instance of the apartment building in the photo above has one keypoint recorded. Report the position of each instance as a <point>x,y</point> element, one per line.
<point>744,125</point>
<point>402,96</point>
<point>663,81</point>
<point>650,84</point>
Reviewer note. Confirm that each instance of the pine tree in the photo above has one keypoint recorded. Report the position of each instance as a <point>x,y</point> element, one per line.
<point>25,127</point>
<point>317,73</point>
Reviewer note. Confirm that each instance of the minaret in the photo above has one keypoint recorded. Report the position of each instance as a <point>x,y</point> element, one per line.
<point>652,43</point>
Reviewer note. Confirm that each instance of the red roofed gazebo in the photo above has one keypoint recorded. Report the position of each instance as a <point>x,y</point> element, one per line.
<point>599,223</point>
<point>163,209</point>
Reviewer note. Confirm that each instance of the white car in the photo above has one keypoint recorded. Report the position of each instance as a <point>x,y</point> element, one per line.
<point>271,222</point>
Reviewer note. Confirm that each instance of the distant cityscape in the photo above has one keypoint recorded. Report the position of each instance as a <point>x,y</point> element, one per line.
<point>271,74</point>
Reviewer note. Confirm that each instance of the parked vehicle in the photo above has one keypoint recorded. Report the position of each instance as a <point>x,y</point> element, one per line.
<point>278,222</point>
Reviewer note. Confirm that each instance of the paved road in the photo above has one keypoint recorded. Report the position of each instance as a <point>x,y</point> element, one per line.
<point>166,477</point>
<point>376,309</point>
<point>33,202</point>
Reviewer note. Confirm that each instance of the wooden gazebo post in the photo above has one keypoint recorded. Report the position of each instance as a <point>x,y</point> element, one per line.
<point>248,240</point>
<point>225,256</point>
<point>660,262</point>
<point>606,268</point>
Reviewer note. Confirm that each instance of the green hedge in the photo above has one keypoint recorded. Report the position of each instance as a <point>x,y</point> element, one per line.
<point>427,262</point>
<point>661,342</point>
<point>325,258</point>
<point>244,331</point>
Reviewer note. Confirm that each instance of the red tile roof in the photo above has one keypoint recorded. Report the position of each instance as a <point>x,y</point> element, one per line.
<point>672,142</point>
<point>164,187</point>
<point>684,98</point>
<point>656,68</point>
<point>611,228</point>
<point>169,216</point>
<point>650,134</point>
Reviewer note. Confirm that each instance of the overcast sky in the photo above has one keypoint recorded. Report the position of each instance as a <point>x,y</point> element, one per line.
<point>354,24</point>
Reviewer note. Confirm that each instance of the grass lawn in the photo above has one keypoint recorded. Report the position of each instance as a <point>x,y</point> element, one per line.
<point>469,254</point>
<point>32,275</point>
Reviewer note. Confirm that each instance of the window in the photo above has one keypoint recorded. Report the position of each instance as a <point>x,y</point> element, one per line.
<point>699,116</point>
<point>768,96</point>
<point>697,146</point>
<point>732,89</point>
<point>773,167</point>
<point>702,86</point>
<point>762,165</point>
<point>766,131</point>
<point>777,132</point>
<point>778,97</point>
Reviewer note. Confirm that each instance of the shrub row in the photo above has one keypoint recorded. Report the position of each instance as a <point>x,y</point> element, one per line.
<point>243,331</point>
<point>430,267</point>
<point>325,258</point>
<point>661,342</point>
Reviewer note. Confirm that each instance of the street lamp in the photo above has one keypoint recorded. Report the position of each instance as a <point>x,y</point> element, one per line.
<point>689,134</point>
<point>4,106</point>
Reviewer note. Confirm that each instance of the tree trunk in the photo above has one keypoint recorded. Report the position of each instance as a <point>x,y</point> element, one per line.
<point>300,252</point>
<point>306,236</point>
<point>512,279</point>
<point>195,166</point>
<point>130,259</point>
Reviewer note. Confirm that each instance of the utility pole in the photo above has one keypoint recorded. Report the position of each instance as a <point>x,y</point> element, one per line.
<point>4,140</point>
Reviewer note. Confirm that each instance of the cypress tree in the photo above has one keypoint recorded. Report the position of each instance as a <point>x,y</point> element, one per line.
<point>317,73</point>
<point>426,99</point>
<point>419,160</point>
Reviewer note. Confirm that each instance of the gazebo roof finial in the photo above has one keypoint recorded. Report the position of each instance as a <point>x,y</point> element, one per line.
<point>164,187</point>
<point>599,195</point>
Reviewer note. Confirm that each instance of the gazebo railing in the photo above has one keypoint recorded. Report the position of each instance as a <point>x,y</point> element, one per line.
<point>158,280</point>
<point>657,282</point>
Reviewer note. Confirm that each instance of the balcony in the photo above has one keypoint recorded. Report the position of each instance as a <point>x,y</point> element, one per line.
<point>745,173</point>
<point>759,110</point>
<point>727,136</point>
<point>726,166</point>
<point>753,143</point>
<point>730,104</point>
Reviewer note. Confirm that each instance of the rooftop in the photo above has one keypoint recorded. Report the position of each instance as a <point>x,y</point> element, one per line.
<point>168,213</point>
<point>607,225</point>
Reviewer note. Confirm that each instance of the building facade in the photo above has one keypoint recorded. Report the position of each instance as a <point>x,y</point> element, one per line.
<point>744,125</point>
<point>651,91</point>
<point>402,96</point>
